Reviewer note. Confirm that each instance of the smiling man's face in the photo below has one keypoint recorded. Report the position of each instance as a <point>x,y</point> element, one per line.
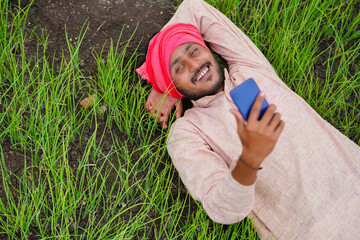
<point>195,71</point>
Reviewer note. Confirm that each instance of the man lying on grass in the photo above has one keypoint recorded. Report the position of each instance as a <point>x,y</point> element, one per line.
<point>309,185</point>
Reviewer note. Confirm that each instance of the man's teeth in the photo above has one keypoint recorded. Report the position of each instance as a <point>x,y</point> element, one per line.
<point>202,74</point>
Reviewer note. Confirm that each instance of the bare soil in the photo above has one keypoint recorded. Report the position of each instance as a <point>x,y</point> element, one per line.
<point>106,19</point>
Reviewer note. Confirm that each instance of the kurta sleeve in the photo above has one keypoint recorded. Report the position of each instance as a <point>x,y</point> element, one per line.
<point>244,59</point>
<point>207,177</point>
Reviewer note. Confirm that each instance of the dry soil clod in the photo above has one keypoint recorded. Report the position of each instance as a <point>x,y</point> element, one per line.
<point>88,102</point>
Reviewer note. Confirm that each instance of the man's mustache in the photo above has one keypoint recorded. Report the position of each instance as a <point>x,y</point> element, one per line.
<point>198,70</point>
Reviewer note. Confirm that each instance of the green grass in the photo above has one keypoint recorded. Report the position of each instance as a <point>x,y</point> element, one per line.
<point>129,188</point>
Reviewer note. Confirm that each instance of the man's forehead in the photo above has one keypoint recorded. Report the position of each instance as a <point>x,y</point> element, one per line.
<point>181,50</point>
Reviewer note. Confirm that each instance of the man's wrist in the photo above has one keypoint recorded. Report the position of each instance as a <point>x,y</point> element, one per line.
<point>251,160</point>
<point>244,173</point>
<point>249,166</point>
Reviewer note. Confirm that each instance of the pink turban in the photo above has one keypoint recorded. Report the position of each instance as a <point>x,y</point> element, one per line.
<point>156,67</point>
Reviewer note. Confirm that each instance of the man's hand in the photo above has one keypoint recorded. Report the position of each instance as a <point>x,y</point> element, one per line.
<point>258,136</point>
<point>160,106</point>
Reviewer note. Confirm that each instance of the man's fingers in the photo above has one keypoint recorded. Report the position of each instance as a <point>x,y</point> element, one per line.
<point>255,109</point>
<point>165,120</point>
<point>147,105</point>
<point>275,121</point>
<point>179,110</point>
<point>279,129</point>
<point>160,106</point>
<point>239,119</point>
<point>162,120</point>
<point>268,115</point>
<point>153,114</point>
<point>164,125</point>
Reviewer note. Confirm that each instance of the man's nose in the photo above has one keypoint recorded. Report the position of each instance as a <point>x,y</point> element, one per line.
<point>193,65</point>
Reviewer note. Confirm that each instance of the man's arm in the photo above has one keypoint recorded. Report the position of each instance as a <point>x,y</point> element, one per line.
<point>244,59</point>
<point>258,138</point>
<point>227,196</point>
<point>207,176</point>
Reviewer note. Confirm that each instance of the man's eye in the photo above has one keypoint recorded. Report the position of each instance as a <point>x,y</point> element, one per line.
<point>194,52</point>
<point>178,68</point>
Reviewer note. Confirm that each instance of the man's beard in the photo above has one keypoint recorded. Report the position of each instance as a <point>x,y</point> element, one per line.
<point>208,92</point>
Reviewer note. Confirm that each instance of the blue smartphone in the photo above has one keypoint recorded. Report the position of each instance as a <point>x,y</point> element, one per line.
<point>244,97</point>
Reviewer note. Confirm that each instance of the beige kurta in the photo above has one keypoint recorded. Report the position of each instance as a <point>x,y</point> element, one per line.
<point>309,187</point>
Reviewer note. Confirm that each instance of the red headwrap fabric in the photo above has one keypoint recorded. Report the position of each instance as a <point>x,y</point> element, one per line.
<point>156,67</point>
